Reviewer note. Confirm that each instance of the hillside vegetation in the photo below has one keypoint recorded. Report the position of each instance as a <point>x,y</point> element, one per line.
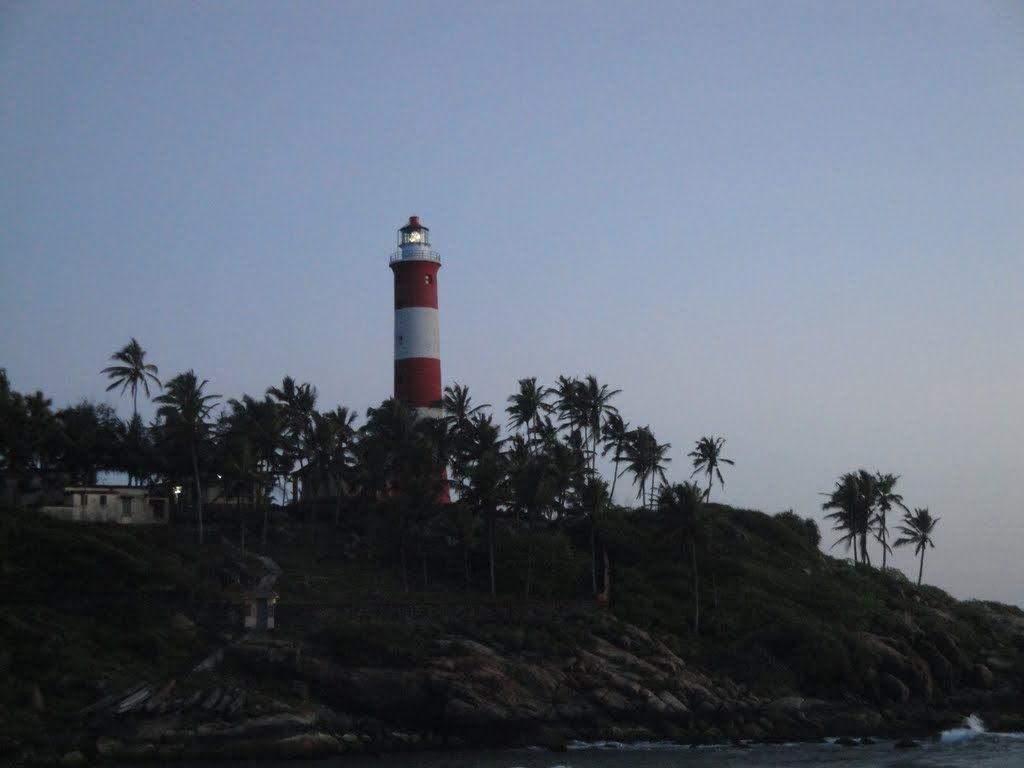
<point>90,609</point>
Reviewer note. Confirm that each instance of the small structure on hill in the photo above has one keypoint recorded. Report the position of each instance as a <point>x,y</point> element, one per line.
<point>124,504</point>
<point>258,610</point>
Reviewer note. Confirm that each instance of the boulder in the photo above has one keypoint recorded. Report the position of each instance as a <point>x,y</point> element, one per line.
<point>878,655</point>
<point>894,690</point>
<point>982,676</point>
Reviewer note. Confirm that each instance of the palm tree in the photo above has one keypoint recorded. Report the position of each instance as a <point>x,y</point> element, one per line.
<point>852,503</point>
<point>885,498</point>
<point>298,403</point>
<point>487,472</point>
<point>917,530</point>
<point>595,498</point>
<point>327,447</point>
<point>459,413</point>
<point>681,504</point>
<point>567,401</point>
<point>261,424</point>
<point>131,371</point>
<point>136,451</point>
<point>595,409</point>
<point>184,410</point>
<point>527,406</point>
<point>402,461</point>
<point>646,458</point>
<point>707,457</point>
<point>616,439</point>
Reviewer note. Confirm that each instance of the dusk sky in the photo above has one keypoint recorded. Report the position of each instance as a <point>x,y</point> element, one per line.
<point>799,226</point>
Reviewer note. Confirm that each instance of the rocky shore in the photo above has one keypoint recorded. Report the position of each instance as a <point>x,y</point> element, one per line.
<point>264,696</point>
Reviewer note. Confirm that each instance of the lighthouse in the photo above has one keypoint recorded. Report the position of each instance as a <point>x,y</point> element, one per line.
<point>417,328</point>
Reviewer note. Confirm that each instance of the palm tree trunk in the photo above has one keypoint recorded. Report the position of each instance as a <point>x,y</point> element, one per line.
<point>490,548</point>
<point>423,559</point>
<point>615,478</point>
<point>529,567</point>
<point>864,556</point>
<point>266,521</point>
<point>696,589</point>
<point>605,595</point>
<point>593,554</point>
<point>405,571</point>
<point>920,570</point>
<point>199,491</point>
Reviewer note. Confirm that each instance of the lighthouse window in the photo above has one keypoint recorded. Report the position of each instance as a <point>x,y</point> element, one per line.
<point>427,279</point>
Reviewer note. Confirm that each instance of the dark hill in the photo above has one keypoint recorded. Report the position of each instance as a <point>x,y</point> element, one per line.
<point>120,643</point>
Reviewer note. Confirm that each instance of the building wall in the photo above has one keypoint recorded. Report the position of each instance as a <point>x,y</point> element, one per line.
<point>128,506</point>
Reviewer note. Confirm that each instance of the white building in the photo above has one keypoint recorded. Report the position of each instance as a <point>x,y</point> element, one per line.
<point>129,505</point>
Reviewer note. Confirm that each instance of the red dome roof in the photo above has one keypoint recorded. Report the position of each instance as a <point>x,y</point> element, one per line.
<point>414,223</point>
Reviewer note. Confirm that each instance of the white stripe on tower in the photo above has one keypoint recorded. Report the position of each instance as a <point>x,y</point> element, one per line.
<point>417,333</point>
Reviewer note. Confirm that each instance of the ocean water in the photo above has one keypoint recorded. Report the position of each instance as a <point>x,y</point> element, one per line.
<point>967,747</point>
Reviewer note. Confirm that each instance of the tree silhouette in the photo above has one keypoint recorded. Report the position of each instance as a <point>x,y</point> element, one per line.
<point>885,499</point>
<point>616,439</point>
<point>184,410</point>
<point>297,403</point>
<point>681,505</point>
<point>459,413</point>
<point>594,410</point>
<point>707,458</point>
<point>646,459</point>
<point>527,407</point>
<point>852,503</point>
<point>131,371</point>
<point>917,530</point>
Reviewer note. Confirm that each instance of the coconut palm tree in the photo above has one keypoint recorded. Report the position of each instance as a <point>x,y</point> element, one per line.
<point>261,424</point>
<point>852,503</point>
<point>567,401</point>
<point>527,407</point>
<point>184,409</point>
<point>885,499</point>
<point>681,504</point>
<point>402,462</point>
<point>298,403</point>
<point>707,458</point>
<point>917,530</point>
<point>616,438</point>
<point>131,371</point>
<point>595,498</point>
<point>487,480</point>
<point>646,459</point>
<point>595,409</point>
<point>328,447</point>
<point>459,413</point>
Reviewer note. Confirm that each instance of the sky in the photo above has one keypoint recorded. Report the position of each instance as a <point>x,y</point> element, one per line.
<point>795,225</point>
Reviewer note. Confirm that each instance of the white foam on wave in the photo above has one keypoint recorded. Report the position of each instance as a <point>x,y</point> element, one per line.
<point>971,729</point>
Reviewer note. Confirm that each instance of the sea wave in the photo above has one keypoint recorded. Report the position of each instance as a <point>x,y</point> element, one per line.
<point>973,727</point>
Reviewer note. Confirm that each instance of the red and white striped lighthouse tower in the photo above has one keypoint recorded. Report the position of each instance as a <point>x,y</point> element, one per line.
<point>417,329</point>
